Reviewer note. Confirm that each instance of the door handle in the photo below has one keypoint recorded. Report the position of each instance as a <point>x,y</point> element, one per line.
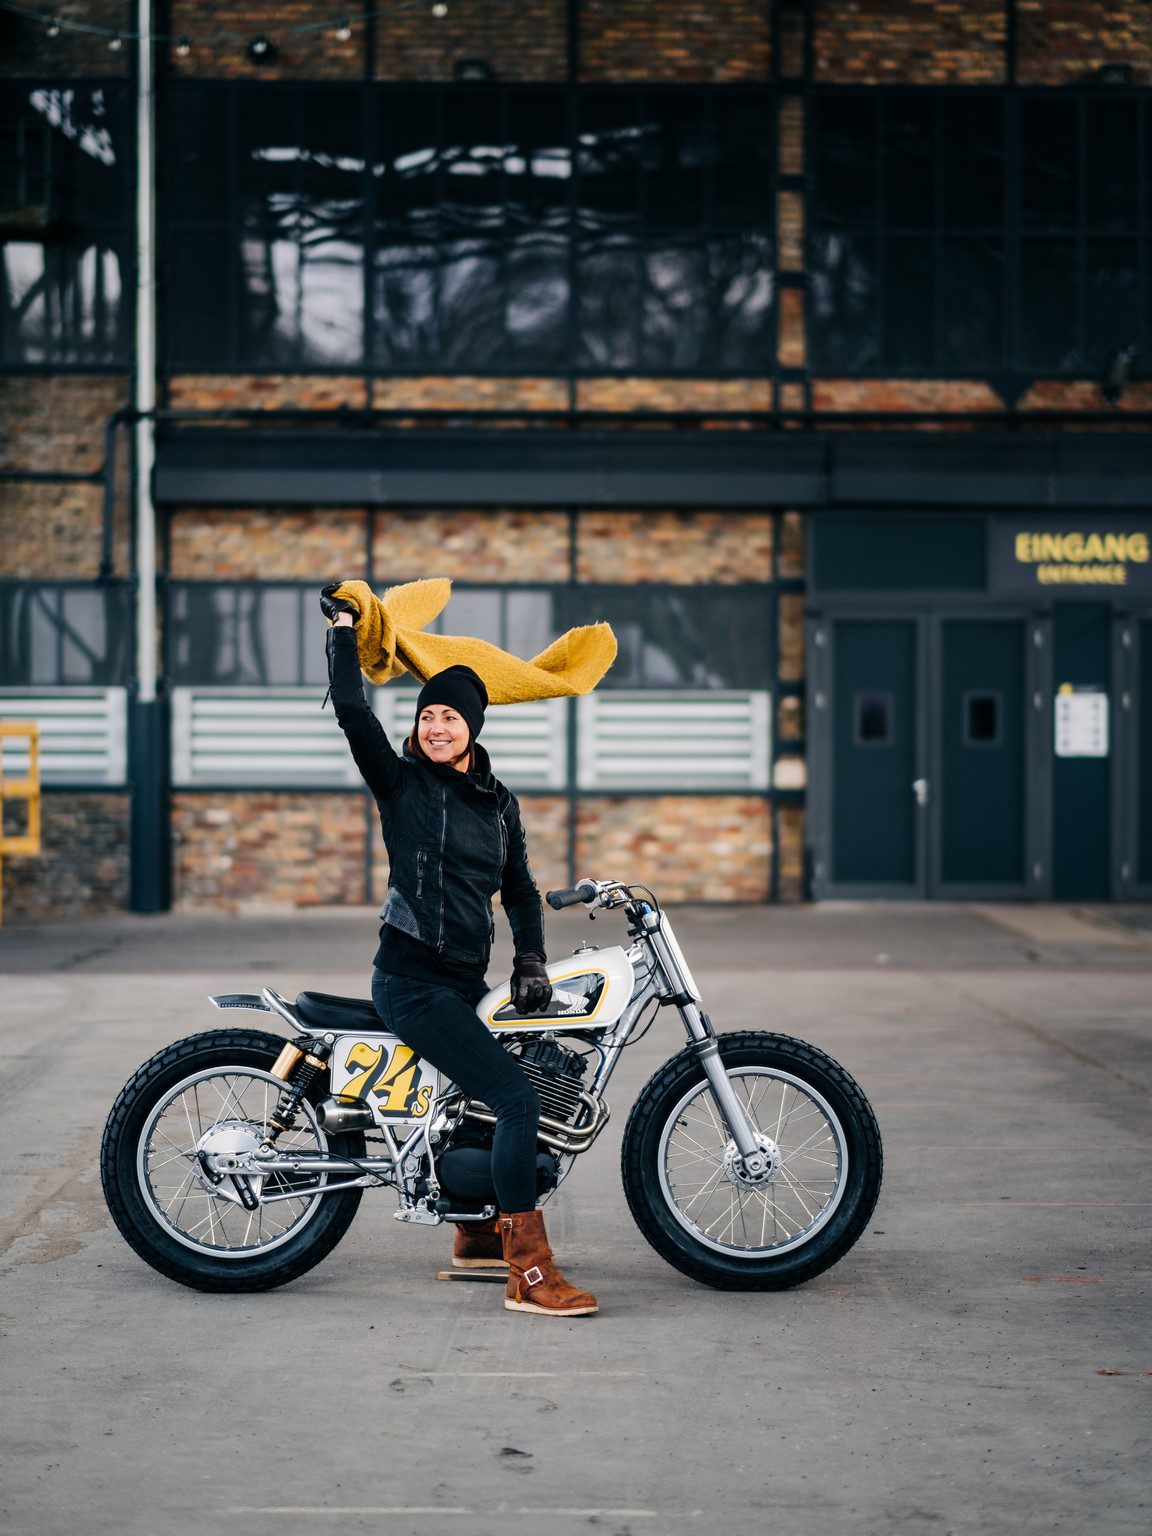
<point>920,790</point>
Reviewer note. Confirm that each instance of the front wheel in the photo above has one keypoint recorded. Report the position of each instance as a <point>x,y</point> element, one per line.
<point>214,1092</point>
<point>688,1191</point>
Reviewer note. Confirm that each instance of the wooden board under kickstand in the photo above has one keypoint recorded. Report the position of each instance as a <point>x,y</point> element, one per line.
<point>500,1275</point>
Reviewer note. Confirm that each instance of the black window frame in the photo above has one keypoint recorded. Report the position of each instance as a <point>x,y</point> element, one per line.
<point>371,98</point>
<point>569,608</point>
<point>1012,364</point>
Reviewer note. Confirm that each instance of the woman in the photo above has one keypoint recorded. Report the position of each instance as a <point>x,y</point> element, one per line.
<point>454,837</point>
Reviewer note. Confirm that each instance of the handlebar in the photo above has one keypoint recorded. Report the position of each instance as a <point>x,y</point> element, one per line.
<point>572,895</point>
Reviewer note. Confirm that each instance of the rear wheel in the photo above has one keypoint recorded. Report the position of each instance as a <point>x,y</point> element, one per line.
<point>685,1181</point>
<point>213,1093</point>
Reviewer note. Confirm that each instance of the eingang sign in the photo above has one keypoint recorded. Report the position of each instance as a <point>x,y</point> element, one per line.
<point>1070,555</point>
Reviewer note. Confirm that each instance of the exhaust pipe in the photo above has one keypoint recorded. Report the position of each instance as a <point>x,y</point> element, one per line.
<point>338,1115</point>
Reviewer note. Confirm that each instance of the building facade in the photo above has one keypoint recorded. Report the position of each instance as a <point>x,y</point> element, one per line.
<point>807,343</point>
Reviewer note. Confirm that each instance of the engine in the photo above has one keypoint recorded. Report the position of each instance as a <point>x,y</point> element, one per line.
<point>465,1165</point>
<point>557,1076</point>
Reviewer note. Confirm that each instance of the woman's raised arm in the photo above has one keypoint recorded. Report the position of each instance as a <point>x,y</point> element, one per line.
<point>372,752</point>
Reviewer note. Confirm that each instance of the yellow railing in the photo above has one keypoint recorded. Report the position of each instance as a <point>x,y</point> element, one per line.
<point>26,788</point>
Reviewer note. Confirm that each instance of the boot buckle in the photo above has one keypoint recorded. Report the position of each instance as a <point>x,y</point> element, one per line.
<point>533,1276</point>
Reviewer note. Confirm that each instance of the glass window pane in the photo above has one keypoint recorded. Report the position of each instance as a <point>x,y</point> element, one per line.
<point>981,719</point>
<point>1048,164</point>
<point>971,300</point>
<point>532,620</point>
<point>845,161</point>
<point>195,171</point>
<point>63,204</point>
<point>268,639</point>
<point>742,174</point>
<point>609,277</point>
<point>740,337</point>
<point>301,175</point>
<point>873,719</point>
<point>1111,301</point>
<point>1048,305</point>
<point>972,179</point>
<point>93,636</point>
<point>405,301</point>
<point>610,153</point>
<point>909,287</point>
<point>675,311</point>
<point>909,162</point>
<point>843,302</point>
<point>197,300</point>
<point>202,635</point>
<point>682,159</point>
<point>1111,164</point>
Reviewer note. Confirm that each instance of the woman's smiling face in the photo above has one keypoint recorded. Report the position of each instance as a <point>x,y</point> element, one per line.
<point>443,733</point>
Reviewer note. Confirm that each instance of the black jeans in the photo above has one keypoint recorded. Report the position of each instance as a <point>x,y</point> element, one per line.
<point>442,1027</point>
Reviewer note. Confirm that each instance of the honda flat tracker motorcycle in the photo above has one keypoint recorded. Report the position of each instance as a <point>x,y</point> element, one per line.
<point>234,1160</point>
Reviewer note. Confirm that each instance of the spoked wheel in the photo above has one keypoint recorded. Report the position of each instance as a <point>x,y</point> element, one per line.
<point>693,1200</point>
<point>213,1094</point>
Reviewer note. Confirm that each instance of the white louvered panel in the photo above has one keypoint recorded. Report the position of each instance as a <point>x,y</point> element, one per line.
<point>528,743</point>
<point>262,737</point>
<point>83,734</point>
<point>699,740</point>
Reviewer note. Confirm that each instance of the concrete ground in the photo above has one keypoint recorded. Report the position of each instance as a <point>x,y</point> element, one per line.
<point>981,1360</point>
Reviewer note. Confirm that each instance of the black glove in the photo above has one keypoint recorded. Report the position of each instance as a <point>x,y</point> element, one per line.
<point>331,606</point>
<point>531,989</point>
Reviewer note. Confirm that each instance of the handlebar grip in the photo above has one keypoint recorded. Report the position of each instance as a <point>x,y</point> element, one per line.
<point>571,895</point>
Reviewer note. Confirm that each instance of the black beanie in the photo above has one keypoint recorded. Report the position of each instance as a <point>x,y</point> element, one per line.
<point>460,687</point>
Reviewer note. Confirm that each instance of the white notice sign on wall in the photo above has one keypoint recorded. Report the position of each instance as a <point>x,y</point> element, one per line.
<point>1081,722</point>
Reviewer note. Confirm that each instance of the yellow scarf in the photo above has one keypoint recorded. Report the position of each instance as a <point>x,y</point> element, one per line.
<point>391,640</point>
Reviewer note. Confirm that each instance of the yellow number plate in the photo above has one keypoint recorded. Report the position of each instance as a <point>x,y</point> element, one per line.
<point>385,1073</point>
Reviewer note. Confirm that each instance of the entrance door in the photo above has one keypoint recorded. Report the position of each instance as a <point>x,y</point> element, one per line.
<point>876,844</point>
<point>978,824</point>
<point>927,755</point>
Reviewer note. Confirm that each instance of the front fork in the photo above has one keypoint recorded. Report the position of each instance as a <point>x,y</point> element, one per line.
<point>756,1161</point>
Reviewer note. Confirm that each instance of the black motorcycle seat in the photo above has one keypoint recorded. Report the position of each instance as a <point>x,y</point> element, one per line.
<point>323,1010</point>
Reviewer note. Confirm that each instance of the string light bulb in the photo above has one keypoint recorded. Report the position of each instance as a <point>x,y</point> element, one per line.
<point>439,9</point>
<point>261,49</point>
<point>52,29</point>
<point>343,32</point>
<point>115,43</point>
<point>183,47</point>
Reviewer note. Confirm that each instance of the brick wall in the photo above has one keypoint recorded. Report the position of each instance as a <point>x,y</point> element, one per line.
<point>82,868</point>
<point>251,848</point>
<point>312,55</point>
<point>674,546</point>
<point>470,546</point>
<point>1062,41</point>
<point>265,392</point>
<point>726,40</point>
<point>233,544</point>
<point>931,42</point>
<point>687,848</point>
<point>56,425</point>
<point>523,41</point>
<point>27,50</point>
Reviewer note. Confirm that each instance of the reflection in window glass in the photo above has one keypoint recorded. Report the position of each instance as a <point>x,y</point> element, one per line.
<point>910,253</point>
<point>63,264</point>
<point>58,636</point>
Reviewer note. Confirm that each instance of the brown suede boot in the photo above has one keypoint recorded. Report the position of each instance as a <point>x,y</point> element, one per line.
<point>478,1245</point>
<point>534,1282</point>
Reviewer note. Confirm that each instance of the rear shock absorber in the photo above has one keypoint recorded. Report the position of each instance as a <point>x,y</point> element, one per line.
<point>299,1068</point>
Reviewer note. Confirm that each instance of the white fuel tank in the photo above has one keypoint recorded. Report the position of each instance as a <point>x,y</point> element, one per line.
<point>590,990</point>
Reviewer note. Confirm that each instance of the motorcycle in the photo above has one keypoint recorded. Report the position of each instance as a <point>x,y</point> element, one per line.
<point>235,1160</point>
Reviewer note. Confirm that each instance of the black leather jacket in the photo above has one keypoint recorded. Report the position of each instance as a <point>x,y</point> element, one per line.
<point>453,839</point>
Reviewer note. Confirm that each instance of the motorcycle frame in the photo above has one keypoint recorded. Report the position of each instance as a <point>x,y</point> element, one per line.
<point>660,973</point>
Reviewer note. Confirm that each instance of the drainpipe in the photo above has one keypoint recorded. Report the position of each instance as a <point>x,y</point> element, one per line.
<point>151,842</point>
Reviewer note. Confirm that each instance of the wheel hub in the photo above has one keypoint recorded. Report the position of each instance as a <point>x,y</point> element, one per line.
<point>737,1173</point>
<point>224,1147</point>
